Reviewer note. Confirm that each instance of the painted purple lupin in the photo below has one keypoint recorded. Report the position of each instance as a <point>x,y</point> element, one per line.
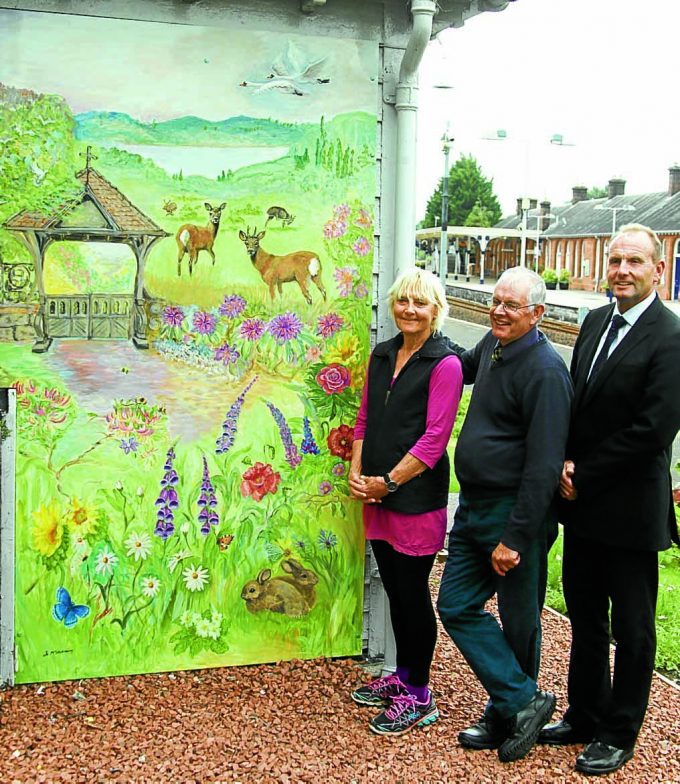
<point>308,445</point>
<point>291,454</point>
<point>226,440</point>
<point>168,499</point>
<point>208,516</point>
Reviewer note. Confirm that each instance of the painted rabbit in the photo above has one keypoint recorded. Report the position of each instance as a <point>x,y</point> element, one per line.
<point>274,594</point>
<point>303,579</point>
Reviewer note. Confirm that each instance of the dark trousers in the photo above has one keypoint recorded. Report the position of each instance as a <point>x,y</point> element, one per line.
<point>594,575</point>
<point>506,660</point>
<point>406,582</point>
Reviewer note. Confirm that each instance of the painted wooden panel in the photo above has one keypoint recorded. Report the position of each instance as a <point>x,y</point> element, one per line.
<point>186,506</point>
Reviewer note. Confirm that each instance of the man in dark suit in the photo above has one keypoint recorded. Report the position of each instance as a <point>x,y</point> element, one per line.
<point>617,507</point>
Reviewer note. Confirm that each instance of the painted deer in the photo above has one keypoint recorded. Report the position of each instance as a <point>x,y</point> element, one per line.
<point>300,266</point>
<point>280,213</point>
<point>192,239</point>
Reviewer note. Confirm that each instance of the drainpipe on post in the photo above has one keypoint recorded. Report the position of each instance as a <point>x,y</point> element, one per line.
<point>423,12</point>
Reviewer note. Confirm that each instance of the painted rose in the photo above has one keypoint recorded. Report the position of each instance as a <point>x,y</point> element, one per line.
<point>333,378</point>
<point>340,441</point>
<point>259,480</point>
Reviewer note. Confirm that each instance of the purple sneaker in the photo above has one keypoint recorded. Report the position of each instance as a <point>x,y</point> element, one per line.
<point>404,714</point>
<point>379,692</point>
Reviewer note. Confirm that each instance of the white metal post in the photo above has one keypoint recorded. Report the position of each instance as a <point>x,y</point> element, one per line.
<point>7,537</point>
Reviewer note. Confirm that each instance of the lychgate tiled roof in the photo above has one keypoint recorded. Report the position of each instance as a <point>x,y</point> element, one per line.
<point>126,216</point>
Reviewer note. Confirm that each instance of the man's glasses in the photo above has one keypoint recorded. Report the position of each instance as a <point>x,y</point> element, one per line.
<point>508,307</point>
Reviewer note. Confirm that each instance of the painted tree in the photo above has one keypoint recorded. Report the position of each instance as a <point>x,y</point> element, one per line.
<point>469,190</point>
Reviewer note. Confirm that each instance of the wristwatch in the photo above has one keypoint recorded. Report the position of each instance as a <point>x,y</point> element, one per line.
<point>392,486</point>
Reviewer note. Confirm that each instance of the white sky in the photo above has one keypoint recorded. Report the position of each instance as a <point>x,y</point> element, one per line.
<point>161,71</point>
<point>603,73</point>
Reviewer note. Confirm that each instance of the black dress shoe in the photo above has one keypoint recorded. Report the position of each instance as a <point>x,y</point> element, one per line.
<point>488,733</point>
<point>528,723</point>
<point>599,758</point>
<point>563,734</point>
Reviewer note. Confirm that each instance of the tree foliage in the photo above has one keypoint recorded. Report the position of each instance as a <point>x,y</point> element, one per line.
<point>597,193</point>
<point>38,156</point>
<point>472,201</point>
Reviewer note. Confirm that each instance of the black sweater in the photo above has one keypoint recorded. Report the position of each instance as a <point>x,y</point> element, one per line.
<point>515,431</point>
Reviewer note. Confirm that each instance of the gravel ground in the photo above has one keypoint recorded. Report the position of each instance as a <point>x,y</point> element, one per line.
<point>287,723</point>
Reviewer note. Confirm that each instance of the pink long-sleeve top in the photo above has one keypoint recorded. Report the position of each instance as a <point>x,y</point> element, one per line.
<point>424,533</point>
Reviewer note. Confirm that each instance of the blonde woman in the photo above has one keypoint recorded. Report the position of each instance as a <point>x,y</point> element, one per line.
<point>400,472</point>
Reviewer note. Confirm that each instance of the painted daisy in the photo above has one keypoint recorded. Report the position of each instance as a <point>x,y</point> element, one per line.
<point>150,586</point>
<point>106,561</point>
<point>139,546</point>
<point>195,578</point>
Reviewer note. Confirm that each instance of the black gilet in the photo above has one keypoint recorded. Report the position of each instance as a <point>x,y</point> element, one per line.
<point>396,419</point>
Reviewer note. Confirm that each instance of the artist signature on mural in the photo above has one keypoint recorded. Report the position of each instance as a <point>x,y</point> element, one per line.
<point>52,653</point>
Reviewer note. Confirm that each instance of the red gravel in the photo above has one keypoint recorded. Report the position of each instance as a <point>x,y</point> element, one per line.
<point>287,723</point>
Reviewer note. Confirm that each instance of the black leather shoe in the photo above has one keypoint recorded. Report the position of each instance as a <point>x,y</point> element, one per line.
<point>563,734</point>
<point>599,758</point>
<point>528,723</point>
<point>488,733</point>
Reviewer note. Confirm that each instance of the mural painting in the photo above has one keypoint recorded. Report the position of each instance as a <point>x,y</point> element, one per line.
<point>186,249</point>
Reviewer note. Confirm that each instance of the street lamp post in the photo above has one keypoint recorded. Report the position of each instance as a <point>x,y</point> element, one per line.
<point>447,141</point>
<point>526,204</point>
<point>502,135</point>
<point>614,210</point>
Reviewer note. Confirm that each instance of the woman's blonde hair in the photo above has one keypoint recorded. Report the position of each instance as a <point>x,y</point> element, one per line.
<point>420,284</point>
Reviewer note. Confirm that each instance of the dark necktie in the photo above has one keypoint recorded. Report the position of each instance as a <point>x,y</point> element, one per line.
<point>497,353</point>
<point>617,322</point>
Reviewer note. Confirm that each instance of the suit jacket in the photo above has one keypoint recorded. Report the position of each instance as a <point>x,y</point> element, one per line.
<point>622,430</point>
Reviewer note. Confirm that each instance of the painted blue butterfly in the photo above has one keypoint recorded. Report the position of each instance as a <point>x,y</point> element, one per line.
<point>65,610</point>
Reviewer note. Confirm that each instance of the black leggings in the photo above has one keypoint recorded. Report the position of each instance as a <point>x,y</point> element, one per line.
<point>405,578</point>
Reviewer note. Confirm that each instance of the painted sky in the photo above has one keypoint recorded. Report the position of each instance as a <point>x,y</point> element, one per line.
<point>603,74</point>
<point>159,71</point>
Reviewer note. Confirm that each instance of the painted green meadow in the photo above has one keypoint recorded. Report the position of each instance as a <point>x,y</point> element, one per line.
<point>136,546</point>
<point>186,506</point>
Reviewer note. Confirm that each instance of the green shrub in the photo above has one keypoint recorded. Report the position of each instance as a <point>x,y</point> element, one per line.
<point>549,275</point>
<point>564,276</point>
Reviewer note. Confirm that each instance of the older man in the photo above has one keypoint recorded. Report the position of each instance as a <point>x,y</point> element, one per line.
<point>618,510</point>
<point>508,461</point>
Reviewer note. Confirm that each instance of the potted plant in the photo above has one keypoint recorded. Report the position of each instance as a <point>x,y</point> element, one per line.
<point>564,278</point>
<point>550,278</point>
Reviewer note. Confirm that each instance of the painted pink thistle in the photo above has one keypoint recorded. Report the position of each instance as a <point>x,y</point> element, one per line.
<point>345,277</point>
<point>338,469</point>
<point>173,316</point>
<point>204,323</point>
<point>333,378</point>
<point>334,228</point>
<point>363,219</point>
<point>341,211</point>
<point>360,291</point>
<point>362,247</point>
<point>313,354</point>
<point>252,329</point>
<point>232,306</point>
<point>285,327</point>
<point>325,488</point>
<point>329,324</point>
<point>227,354</point>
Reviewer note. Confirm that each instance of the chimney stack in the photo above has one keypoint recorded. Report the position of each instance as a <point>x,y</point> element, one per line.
<point>544,221</point>
<point>579,193</point>
<point>674,179</point>
<point>616,187</point>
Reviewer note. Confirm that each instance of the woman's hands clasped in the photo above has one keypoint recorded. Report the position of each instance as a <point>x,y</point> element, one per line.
<point>367,489</point>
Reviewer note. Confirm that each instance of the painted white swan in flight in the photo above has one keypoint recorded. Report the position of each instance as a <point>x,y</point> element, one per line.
<point>291,72</point>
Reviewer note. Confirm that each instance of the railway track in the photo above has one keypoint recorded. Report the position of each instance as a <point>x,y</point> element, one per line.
<point>558,331</point>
